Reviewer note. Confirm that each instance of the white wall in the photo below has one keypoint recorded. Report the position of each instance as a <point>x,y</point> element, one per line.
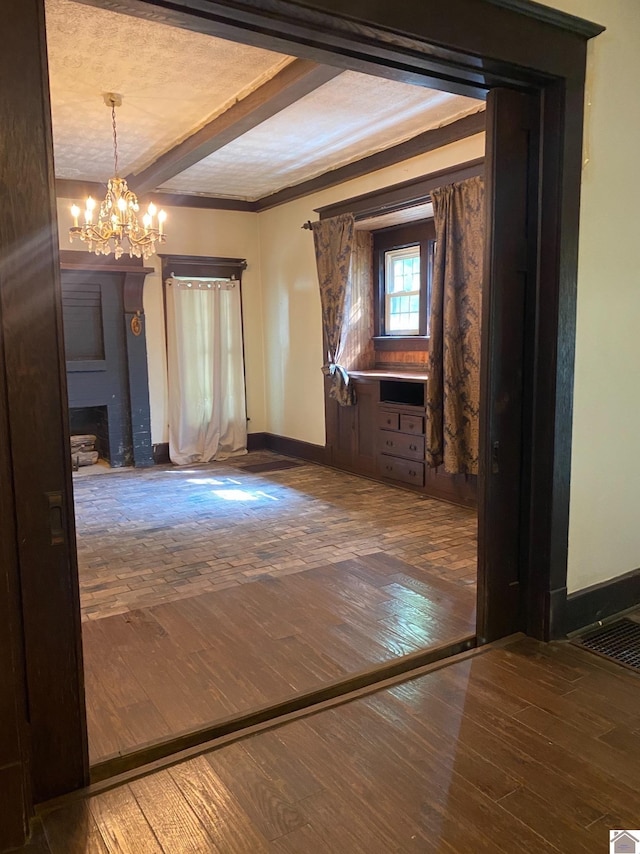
<point>604,530</point>
<point>194,231</point>
<point>293,323</point>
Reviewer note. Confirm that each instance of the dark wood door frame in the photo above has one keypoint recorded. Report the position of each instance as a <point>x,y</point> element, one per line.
<point>466,46</point>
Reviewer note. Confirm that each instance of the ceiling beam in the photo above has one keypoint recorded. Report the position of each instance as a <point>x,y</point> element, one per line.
<point>427,141</point>
<point>296,80</point>
<point>79,190</point>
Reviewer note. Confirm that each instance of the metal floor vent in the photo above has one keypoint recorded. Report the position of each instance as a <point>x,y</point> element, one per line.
<point>619,641</point>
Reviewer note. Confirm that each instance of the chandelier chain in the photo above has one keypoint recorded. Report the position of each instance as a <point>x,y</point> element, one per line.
<point>115,139</point>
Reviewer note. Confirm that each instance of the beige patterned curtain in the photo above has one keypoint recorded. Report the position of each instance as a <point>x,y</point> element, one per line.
<point>453,390</point>
<point>344,271</point>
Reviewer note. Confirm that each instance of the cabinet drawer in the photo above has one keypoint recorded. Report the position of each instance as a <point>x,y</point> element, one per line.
<point>406,471</point>
<point>388,420</point>
<point>412,424</point>
<point>401,445</point>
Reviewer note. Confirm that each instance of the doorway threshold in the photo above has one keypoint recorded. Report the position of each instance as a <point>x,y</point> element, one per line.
<point>112,769</point>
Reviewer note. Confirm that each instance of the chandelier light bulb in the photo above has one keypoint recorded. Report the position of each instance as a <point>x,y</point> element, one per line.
<point>75,213</point>
<point>91,203</point>
<point>152,209</point>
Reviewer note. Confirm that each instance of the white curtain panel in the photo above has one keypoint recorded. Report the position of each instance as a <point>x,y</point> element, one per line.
<point>207,414</point>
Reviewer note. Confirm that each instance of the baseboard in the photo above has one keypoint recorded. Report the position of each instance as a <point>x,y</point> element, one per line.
<point>161,453</point>
<point>261,442</point>
<point>602,601</point>
<point>295,448</point>
<point>256,441</point>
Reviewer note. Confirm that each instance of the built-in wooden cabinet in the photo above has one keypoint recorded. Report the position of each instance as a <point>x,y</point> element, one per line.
<point>384,436</point>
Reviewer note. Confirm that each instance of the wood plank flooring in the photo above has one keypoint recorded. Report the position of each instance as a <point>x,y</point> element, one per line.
<point>158,672</point>
<point>526,748</point>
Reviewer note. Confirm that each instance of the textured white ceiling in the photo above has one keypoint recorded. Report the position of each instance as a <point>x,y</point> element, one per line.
<point>172,81</point>
<point>350,117</point>
<point>411,214</point>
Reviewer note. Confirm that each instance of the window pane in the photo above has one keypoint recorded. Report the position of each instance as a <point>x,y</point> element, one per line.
<point>402,287</point>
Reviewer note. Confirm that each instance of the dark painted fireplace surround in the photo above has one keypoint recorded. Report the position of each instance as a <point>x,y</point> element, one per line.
<point>106,355</point>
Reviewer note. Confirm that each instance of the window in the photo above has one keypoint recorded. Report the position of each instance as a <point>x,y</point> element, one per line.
<point>402,291</point>
<point>403,260</point>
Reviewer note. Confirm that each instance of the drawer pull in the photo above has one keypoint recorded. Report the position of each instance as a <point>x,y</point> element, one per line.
<point>412,473</point>
<point>389,443</point>
<point>413,447</point>
<point>389,468</point>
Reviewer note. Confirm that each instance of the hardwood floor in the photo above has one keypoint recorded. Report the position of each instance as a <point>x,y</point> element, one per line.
<point>525,747</point>
<point>211,591</point>
<point>158,672</point>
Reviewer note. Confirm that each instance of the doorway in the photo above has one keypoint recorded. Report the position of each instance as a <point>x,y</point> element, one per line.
<point>503,201</point>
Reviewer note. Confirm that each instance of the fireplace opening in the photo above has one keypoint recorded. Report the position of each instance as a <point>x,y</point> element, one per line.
<point>87,421</point>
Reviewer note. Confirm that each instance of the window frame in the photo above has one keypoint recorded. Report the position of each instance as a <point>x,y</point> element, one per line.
<point>390,257</point>
<point>420,233</point>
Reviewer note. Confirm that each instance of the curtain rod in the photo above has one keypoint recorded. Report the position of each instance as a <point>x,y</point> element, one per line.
<point>195,281</point>
<point>372,213</point>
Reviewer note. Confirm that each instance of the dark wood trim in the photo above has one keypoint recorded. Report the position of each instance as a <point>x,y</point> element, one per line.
<point>510,275</point>
<point>422,234</point>
<point>202,266</point>
<point>293,82</point>
<point>295,448</point>
<point>600,602</point>
<point>191,200</point>
<point>427,141</point>
<point>406,194</point>
<point>337,692</point>
<point>441,50</point>
<point>83,260</point>
<point>36,406</point>
<point>15,781</point>
<point>161,454</point>
<point>71,189</point>
<point>402,343</point>
<point>256,441</point>
<point>555,17</point>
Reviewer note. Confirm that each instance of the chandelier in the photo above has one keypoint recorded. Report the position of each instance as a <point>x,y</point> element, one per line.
<point>117,228</point>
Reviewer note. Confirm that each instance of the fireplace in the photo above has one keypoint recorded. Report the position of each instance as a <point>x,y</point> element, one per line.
<point>107,379</point>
